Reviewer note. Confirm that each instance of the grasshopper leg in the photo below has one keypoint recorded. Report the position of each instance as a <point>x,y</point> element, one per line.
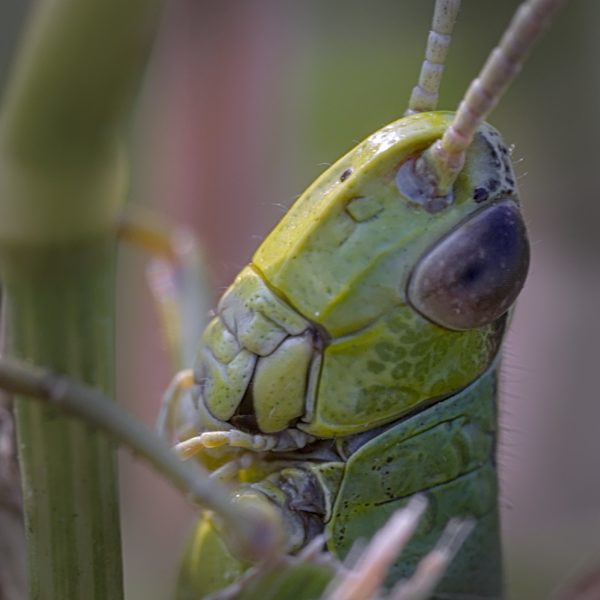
<point>231,469</point>
<point>181,383</point>
<point>177,275</point>
<point>286,441</point>
<point>143,231</point>
<point>232,438</point>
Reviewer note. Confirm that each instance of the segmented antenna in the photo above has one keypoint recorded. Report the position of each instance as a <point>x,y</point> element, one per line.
<point>425,94</point>
<point>445,159</point>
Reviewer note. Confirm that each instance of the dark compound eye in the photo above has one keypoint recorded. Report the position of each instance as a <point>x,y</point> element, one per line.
<point>473,275</point>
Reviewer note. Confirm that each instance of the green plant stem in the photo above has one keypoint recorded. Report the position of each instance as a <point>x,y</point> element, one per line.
<point>59,303</point>
<point>257,536</point>
<point>62,182</point>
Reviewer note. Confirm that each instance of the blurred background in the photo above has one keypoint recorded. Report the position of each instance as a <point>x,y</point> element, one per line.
<point>245,103</point>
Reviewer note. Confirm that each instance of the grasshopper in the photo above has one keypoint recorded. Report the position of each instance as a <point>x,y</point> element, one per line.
<point>353,363</point>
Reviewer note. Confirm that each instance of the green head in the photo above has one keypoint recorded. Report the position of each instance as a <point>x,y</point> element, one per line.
<point>363,259</point>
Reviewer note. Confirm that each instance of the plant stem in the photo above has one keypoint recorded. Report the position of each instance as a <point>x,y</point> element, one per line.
<point>62,182</point>
<point>13,583</point>
<point>59,303</point>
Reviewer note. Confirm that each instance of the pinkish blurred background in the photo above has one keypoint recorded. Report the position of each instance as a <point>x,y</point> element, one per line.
<point>246,102</point>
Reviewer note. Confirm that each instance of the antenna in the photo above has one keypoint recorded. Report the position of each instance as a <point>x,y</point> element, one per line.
<point>443,161</point>
<point>425,94</point>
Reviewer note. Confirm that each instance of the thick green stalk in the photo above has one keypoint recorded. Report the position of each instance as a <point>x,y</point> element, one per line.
<point>60,305</point>
<point>62,181</point>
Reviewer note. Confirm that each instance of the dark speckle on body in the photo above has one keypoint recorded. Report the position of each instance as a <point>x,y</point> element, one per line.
<point>480,194</point>
<point>346,174</point>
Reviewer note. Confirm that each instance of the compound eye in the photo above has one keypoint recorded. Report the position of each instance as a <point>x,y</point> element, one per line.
<point>474,274</point>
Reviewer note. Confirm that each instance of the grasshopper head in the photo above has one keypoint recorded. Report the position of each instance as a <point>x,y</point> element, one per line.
<point>355,245</point>
<point>410,294</point>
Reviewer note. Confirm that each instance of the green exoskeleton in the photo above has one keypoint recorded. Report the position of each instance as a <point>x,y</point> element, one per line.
<point>353,363</point>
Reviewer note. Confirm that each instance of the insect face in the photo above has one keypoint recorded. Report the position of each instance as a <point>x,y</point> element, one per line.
<point>363,302</point>
<point>383,277</point>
